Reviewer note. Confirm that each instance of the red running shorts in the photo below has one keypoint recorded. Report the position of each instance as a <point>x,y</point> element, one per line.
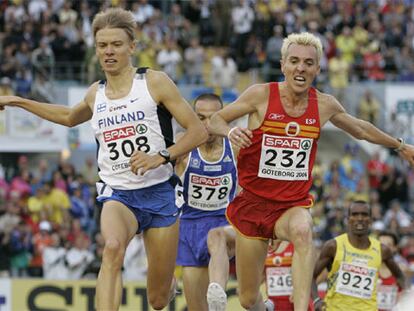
<point>255,217</point>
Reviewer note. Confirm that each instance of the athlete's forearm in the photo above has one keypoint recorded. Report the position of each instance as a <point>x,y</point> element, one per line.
<point>55,113</point>
<point>376,136</point>
<point>218,126</point>
<point>195,135</point>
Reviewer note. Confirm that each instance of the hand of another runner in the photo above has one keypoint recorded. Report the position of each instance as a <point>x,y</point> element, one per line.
<point>240,136</point>
<point>6,101</point>
<point>319,305</point>
<point>407,153</point>
<point>142,162</point>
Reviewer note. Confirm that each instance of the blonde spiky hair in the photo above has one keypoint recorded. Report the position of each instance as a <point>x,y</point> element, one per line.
<point>303,38</point>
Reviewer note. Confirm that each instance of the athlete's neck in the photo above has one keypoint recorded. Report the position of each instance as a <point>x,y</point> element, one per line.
<point>208,148</point>
<point>293,98</point>
<point>121,82</point>
<point>359,241</point>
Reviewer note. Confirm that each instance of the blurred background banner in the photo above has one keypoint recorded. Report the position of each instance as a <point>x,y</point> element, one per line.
<point>21,131</point>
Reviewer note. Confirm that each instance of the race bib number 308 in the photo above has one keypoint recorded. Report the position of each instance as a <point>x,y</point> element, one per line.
<point>285,158</point>
<point>356,281</point>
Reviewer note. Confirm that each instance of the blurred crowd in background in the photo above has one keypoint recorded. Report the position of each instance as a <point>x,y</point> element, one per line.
<point>48,211</point>
<point>208,42</point>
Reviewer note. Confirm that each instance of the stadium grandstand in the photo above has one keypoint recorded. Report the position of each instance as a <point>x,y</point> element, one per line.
<point>50,242</point>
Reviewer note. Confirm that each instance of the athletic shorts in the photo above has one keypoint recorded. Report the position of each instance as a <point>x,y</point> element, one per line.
<point>192,245</point>
<point>153,207</point>
<point>255,217</point>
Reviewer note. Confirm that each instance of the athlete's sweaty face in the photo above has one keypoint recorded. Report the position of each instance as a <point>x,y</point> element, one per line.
<point>300,67</point>
<point>204,109</point>
<point>114,49</point>
<point>359,219</point>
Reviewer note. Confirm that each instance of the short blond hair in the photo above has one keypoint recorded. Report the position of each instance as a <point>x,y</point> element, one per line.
<point>303,38</point>
<point>115,18</point>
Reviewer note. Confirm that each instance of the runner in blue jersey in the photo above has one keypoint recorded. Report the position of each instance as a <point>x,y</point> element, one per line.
<point>206,242</point>
<point>130,113</point>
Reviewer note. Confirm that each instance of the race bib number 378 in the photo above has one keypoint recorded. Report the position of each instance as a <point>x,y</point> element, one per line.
<point>285,158</point>
<point>209,193</point>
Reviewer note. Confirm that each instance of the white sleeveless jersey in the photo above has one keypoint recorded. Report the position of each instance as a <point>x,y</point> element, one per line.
<point>121,126</point>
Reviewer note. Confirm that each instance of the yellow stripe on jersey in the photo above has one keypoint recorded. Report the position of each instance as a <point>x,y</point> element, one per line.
<point>282,131</point>
<point>307,128</point>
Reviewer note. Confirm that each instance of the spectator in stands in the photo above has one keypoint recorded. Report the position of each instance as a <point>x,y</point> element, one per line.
<point>369,107</point>
<point>242,17</point>
<point>169,59</point>
<point>8,62</point>
<point>43,59</point>
<point>40,241</point>
<point>346,43</point>
<point>142,11</point>
<point>21,183</point>
<point>5,254</point>
<point>193,62</point>
<point>23,81</point>
<point>21,249</point>
<point>397,213</point>
<point>388,187</point>
<point>223,70</point>
<point>35,204</point>
<point>273,55</point>
<point>54,265</point>
<point>10,216</point>
<point>78,258</point>
<point>338,68</point>
<point>6,87</point>
<point>135,260</point>
<point>373,63</point>
<point>56,202</point>
<point>375,168</point>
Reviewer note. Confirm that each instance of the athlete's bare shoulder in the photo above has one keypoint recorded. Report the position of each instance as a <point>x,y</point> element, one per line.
<point>256,94</point>
<point>328,106</point>
<point>91,94</point>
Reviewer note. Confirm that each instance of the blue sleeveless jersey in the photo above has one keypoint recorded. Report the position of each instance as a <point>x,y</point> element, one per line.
<point>209,187</point>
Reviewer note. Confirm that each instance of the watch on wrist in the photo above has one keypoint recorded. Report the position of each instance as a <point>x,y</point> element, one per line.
<point>165,154</point>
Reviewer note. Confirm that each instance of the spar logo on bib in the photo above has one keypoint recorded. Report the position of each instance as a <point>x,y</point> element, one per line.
<point>210,181</point>
<point>306,144</point>
<point>119,133</point>
<point>281,142</point>
<point>356,269</point>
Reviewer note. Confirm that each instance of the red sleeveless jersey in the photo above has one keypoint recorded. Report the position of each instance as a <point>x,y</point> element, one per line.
<point>387,293</point>
<point>279,283</point>
<point>278,164</point>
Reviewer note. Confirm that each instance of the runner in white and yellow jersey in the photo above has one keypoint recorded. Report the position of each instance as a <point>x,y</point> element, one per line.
<point>353,260</point>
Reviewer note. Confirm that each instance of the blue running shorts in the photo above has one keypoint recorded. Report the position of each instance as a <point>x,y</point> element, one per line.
<point>192,245</point>
<point>153,207</point>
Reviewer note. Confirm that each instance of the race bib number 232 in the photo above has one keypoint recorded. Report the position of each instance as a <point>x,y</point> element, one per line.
<point>285,158</point>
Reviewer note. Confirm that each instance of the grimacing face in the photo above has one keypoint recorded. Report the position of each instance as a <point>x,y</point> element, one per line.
<point>205,108</point>
<point>114,49</point>
<point>359,219</point>
<point>300,67</point>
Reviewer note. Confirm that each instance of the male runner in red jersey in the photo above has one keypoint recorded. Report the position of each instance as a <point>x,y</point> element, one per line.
<point>388,289</point>
<point>278,275</point>
<point>275,165</point>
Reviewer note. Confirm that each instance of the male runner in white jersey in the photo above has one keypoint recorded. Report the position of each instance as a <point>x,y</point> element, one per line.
<point>206,242</point>
<point>130,114</point>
